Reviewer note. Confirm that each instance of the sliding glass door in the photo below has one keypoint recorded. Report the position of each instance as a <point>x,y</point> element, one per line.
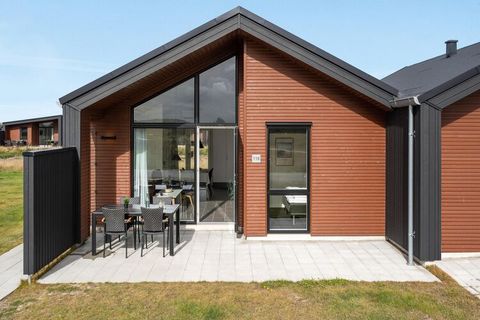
<point>216,174</point>
<point>165,158</point>
<point>184,142</point>
<point>288,174</point>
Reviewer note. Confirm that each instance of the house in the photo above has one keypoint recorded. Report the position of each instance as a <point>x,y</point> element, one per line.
<point>34,132</point>
<point>271,134</point>
<point>2,135</point>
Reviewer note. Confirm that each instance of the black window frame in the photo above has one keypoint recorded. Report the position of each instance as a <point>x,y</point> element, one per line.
<point>184,125</point>
<point>196,122</point>
<point>197,95</point>
<point>289,125</point>
<point>22,130</point>
<point>146,124</point>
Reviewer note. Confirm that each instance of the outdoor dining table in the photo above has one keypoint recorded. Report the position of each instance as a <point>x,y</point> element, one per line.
<point>134,211</point>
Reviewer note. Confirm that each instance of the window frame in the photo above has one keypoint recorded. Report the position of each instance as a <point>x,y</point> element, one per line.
<point>196,122</point>
<point>183,125</point>
<point>197,92</point>
<point>280,192</point>
<point>22,129</point>
<point>147,124</point>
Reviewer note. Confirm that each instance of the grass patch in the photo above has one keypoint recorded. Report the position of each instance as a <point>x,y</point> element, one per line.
<point>334,299</point>
<point>11,209</point>
<point>12,152</point>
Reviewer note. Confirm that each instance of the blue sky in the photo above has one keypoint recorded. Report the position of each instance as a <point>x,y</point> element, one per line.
<point>49,48</point>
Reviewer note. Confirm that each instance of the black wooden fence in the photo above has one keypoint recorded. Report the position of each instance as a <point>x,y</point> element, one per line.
<point>51,206</point>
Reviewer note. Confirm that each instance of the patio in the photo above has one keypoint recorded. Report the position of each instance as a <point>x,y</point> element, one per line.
<point>466,271</point>
<point>221,256</point>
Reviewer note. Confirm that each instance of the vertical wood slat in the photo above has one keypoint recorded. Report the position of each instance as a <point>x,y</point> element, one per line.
<point>397,176</point>
<point>51,205</point>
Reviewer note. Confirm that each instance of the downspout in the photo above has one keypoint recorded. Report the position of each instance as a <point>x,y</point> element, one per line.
<point>409,102</point>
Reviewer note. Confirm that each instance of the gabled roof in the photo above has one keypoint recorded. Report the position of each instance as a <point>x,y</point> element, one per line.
<point>431,77</point>
<point>42,119</point>
<point>236,19</point>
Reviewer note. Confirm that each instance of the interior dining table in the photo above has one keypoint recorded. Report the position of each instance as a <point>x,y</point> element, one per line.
<point>172,212</point>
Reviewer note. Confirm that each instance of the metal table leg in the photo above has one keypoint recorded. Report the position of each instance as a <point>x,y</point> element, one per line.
<point>94,235</point>
<point>170,235</point>
<point>178,224</point>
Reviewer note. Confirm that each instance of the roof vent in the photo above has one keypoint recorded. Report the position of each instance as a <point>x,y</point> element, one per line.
<point>451,47</point>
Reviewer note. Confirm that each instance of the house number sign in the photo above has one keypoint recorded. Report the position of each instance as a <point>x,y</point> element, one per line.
<point>256,158</point>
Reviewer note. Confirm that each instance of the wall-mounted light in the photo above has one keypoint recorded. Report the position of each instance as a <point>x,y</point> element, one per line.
<point>110,137</point>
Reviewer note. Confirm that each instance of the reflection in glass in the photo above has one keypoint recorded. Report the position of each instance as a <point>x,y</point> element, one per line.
<point>217,175</point>
<point>287,212</point>
<point>173,106</point>
<point>288,158</point>
<point>164,158</point>
<point>217,93</point>
<point>288,174</point>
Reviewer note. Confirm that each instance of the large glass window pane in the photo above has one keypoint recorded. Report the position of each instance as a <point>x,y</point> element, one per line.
<point>288,158</point>
<point>165,159</point>
<point>23,133</point>
<point>288,179</point>
<point>45,132</point>
<point>287,212</point>
<point>173,106</point>
<point>217,93</point>
<point>217,175</point>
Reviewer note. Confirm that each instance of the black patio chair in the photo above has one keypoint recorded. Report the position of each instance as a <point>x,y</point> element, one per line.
<point>135,221</point>
<point>115,224</point>
<point>153,224</point>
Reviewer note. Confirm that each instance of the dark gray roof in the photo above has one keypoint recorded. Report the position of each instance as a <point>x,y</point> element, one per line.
<point>437,74</point>
<point>256,25</point>
<point>42,119</point>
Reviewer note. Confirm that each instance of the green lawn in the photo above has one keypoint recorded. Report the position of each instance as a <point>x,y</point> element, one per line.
<point>11,209</point>
<point>12,152</point>
<point>335,299</point>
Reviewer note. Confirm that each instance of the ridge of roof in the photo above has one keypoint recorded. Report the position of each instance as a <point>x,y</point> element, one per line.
<point>210,24</point>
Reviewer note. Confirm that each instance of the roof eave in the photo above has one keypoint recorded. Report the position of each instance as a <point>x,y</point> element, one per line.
<point>358,80</point>
<point>40,119</point>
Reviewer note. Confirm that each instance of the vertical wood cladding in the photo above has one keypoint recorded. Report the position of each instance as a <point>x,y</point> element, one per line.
<point>461,176</point>
<point>397,177</point>
<point>85,191</point>
<point>347,151</point>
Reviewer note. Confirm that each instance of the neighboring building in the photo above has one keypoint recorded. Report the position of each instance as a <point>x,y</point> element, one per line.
<point>34,132</point>
<point>275,136</point>
<point>2,135</point>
